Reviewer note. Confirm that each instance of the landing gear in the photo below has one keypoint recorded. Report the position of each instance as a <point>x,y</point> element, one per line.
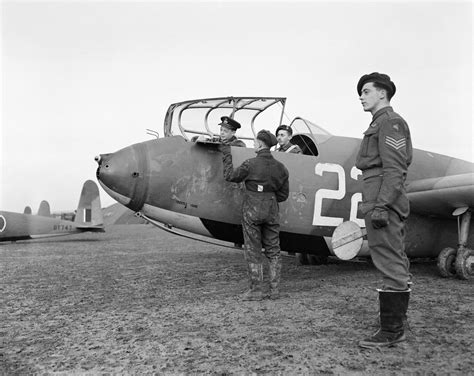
<point>317,260</point>
<point>464,264</point>
<point>446,260</point>
<point>458,262</point>
<point>302,259</point>
<point>309,259</point>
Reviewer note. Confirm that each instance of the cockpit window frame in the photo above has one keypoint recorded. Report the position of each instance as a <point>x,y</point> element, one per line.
<point>313,133</point>
<point>175,112</point>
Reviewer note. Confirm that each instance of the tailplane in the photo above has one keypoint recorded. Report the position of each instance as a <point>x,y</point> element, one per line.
<point>89,213</point>
<point>44,210</point>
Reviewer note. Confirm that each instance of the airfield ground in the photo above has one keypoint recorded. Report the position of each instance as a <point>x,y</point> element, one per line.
<point>137,300</point>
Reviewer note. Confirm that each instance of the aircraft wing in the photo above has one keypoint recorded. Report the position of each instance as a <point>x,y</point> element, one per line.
<point>96,228</point>
<point>439,197</point>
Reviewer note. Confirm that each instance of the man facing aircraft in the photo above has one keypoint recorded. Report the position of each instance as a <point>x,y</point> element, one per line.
<point>384,156</point>
<point>266,183</point>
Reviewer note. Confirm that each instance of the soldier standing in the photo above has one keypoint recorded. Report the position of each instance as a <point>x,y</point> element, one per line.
<point>384,156</point>
<point>227,132</point>
<point>284,134</point>
<point>266,183</point>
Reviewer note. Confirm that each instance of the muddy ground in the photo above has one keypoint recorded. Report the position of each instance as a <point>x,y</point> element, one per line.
<point>137,300</point>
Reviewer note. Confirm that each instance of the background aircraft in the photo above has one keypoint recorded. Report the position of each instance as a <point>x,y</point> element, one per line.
<point>21,226</point>
<point>175,181</point>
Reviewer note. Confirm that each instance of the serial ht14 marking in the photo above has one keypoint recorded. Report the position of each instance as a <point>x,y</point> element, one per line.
<point>335,194</point>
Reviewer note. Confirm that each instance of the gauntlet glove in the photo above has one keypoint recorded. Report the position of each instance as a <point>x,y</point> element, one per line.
<point>379,218</point>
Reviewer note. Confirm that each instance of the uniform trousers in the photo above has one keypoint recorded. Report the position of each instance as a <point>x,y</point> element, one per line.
<point>260,223</point>
<point>387,250</point>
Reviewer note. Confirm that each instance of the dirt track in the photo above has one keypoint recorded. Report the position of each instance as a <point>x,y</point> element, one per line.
<point>137,300</point>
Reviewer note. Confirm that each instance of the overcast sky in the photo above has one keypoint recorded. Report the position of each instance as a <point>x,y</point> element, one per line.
<point>84,78</point>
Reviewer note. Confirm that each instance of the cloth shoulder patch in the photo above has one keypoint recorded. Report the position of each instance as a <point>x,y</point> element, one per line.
<point>395,143</point>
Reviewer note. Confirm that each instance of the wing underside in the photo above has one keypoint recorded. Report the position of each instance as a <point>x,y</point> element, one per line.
<point>439,197</point>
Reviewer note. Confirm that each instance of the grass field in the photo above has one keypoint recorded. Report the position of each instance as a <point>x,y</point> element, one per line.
<point>137,300</point>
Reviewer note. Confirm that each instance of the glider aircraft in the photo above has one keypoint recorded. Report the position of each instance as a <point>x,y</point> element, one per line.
<point>23,226</point>
<point>176,182</point>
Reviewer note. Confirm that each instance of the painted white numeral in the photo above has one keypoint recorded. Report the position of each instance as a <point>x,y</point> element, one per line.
<point>318,219</point>
<point>355,199</point>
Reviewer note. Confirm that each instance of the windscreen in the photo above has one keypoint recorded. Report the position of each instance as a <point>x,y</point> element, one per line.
<point>202,117</point>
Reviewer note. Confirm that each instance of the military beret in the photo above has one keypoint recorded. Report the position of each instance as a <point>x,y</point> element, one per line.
<point>267,137</point>
<point>229,123</point>
<point>284,128</point>
<point>379,79</point>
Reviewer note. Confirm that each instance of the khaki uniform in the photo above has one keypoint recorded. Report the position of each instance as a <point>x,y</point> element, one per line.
<point>384,156</point>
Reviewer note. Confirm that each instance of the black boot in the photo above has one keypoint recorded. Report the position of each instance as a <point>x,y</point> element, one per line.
<point>393,310</point>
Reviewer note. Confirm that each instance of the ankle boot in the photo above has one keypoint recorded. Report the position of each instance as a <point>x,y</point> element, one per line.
<point>256,281</point>
<point>393,310</point>
<point>275,275</point>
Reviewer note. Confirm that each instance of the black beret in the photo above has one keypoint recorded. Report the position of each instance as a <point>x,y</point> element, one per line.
<point>379,79</point>
<point>229,123</point>
<point>284,128</point>
<point>268,138</point>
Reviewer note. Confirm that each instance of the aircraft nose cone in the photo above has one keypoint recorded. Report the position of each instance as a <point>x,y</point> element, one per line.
<point>121,175</point>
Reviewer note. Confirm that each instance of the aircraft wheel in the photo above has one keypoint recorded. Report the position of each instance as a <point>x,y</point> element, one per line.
<point>464,263</point>
<point>302,259</point>
<point>317,260</point>
<point>446,261</point>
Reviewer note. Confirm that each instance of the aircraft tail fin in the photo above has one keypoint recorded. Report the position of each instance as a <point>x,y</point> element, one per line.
<point>27,210</point>
<point>89,212</point>
<point>44,210</point>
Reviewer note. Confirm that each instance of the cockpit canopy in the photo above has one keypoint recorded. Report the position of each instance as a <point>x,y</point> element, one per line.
<point>202,117</point>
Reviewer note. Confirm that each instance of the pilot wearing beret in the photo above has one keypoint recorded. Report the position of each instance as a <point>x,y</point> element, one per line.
<point>227,132</point>
<point>266,183</point>
<point>284,134</point>
<point>384,156</point>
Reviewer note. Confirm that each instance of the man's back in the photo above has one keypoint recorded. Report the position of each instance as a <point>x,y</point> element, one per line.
<point>269,174</point>
<point>261,174</point>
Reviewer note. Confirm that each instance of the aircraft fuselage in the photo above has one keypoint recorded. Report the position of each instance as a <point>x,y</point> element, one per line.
<point>181,183</point>
<point>17,226</point>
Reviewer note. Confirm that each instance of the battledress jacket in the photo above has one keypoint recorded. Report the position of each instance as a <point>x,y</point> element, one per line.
<point>261,174</point>
<point>384,156</point>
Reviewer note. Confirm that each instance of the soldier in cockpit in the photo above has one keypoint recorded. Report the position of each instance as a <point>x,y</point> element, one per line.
<point>284,134</point>
<point>227,133</point>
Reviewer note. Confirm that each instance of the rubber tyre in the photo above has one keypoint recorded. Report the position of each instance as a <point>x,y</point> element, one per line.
<point>317,260</point>
<point>301,259</point>
<point>464,264</point>
<point>446,262</point>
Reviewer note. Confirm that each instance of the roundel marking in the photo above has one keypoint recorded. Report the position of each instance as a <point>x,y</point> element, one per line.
<point>3,223</point>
